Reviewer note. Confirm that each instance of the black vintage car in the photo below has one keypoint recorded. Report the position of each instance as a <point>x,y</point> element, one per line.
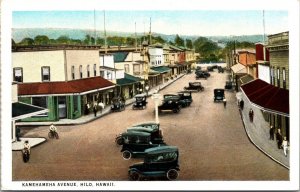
<point>149,127</point>
<point>171,102</point>
<point>220,69</point>
<point>186,96</point>
<point>117,104</point>
<point>195,86</point>
<point>219,95</point>
<point>135,144</point>
<point>176,96</point>
<point>158,162</point>
<point>228,85</point>
<point>202,74</point>
<point>140,101</point>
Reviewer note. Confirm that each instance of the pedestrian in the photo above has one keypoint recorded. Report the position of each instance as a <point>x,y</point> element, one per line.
<point>95,110</point>
<point>251,114</point>
<point>101,106</point>
<point>279,138</point>
<point>241,104</point>
<point>285,146</point>
<point>224,102</point>
<point>272,131</point>
<point>27,146</point>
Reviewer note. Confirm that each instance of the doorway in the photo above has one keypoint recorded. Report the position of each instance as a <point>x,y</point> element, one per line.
<point>62,107</point>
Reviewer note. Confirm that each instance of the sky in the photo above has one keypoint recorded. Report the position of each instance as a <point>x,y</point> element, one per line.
<point>189,22</point>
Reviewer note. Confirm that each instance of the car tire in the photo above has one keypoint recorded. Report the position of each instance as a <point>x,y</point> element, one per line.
<point>134,176</point>
<point>126,155</point>
<point>119,140</point>
<point>172,174</point>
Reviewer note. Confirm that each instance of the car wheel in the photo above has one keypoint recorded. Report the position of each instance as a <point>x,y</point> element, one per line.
<point>172,174</point>
<point>126,155</point>
<point>134,176</point>
<point>119,140</point>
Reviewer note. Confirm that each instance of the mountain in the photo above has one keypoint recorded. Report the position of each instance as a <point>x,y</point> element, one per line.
<point>53,33</point>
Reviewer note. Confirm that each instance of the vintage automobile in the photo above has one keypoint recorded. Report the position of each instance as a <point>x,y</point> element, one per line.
<point>140,101</point>
<point>148,127</point>
<point>219,95</point>
<point>158,162</point>
<point>175,96</point>
<point>135,144</point>
<point>117,104</point>
<point>171,103</point>
<point>228,85</point>
<point>186,96</point>
<point>202,74</point>
<point>195,86</point>
<point>220,69</point>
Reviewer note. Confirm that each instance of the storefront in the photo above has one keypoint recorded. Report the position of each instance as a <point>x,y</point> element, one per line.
<point>70,99</point>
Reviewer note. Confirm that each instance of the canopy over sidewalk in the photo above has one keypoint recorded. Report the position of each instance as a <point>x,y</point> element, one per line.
<point>267,97</point>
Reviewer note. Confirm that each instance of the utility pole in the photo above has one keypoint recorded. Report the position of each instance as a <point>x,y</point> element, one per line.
<point>95,27</point>
<point>105,43</point>
<point>150,38</point>
<point>135,37</point>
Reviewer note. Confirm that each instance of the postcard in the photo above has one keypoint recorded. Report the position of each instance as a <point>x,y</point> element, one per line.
<point>149,95</point>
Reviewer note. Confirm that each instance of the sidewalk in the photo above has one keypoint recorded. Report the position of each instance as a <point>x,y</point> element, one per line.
<point>258,133</point>
<point>105,111</point>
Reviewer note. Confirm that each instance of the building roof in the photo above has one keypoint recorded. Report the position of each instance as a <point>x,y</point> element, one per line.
<point>247,58</point>
<point>267,97</point>
<point>23,110</point>
<point>80,86</point>
<point>120,56</point>
<point>246,78</point>
<point>238,68</point>
<point>161,69</point>
<point>128,79</point>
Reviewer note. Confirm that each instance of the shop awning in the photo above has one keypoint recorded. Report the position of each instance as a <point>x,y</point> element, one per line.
<point>74,87</point>
<point>267,97</point>
<point>23,110</point>
<point>238,68</point>
<point>128,79</point>
<point>245,79</point>
<point>161,69</point>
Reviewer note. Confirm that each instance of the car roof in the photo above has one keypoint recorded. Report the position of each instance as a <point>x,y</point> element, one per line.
<point>161,149</point>
<point>140,95</point>
<point>145,123</point>
<point>218,89</point>
<point>136,133</point>
<point>146,129</point>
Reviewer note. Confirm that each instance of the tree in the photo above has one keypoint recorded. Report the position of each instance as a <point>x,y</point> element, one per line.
<point>189,43</point>
<point>179,41</point>
<point>208,49</point>
<point>158,39</point>
<point>63,40</point>
<point>26,41</point>
<point>41,40</point>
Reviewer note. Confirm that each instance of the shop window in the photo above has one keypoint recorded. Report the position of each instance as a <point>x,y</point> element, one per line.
<point>102,73</point>
<point>18,74</point>
<point>45,73</point>
<point>126,67</point>
<point>40,102</point>
<point>95,71</point>
<point>75,103</point>
<point>284,78</point>
<point>88,70</point>
<point>80,71</point>
<point>73,72</point>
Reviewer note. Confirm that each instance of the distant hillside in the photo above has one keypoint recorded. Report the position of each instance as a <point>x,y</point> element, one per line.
<point>18,34</point>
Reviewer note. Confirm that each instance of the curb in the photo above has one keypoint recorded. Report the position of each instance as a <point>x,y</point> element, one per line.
<point>266,153</point>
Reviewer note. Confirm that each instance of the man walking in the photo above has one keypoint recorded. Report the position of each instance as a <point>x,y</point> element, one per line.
<point>95,110</point>
<point>272,131</point>
<point>224,102</point>
<point>279,138</point>
<point>285,146</point>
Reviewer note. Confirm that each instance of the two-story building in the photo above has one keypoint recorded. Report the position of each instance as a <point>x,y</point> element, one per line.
<point>66,81</point>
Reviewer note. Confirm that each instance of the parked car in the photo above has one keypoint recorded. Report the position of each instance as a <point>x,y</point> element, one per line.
<point>135,144</point>
<point>186,96</point>
<point>228,85</point>
<point>176,96</point>
<point>158,162</point>
<point>117,104</point>
<point>195,86</point>
<point>219,95</point>
<point>210,68</point>
<point>202,74</point>
<point>220,69</point>
<point>140,101</point>
<point>171,103</point>
<point>148,127</point>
